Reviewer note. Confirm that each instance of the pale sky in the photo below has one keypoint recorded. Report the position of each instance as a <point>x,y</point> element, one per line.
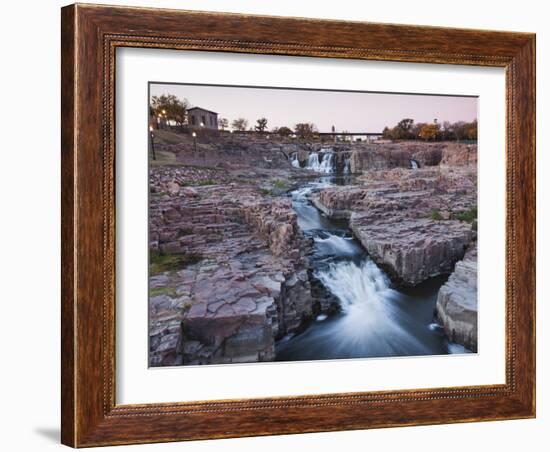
<point>350,111</point>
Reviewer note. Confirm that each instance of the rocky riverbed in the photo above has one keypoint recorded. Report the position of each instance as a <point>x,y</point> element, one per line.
<point>228,275</point>
<point>230,265</point>
<point>411,222</point>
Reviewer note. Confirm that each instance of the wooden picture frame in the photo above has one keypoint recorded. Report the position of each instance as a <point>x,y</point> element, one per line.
<point>90,36</point>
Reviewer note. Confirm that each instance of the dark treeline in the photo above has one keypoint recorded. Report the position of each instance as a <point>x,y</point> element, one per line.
<point>407,129</point>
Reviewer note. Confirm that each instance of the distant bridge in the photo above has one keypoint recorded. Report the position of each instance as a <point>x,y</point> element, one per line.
<point>323,134</point>
<point>374,134</point>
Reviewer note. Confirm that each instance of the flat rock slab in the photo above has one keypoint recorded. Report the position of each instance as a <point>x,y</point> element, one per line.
<point>413,250</point>
<point>405,219</point>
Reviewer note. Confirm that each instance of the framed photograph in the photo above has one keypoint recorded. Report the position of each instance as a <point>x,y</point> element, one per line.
<point>281,225</point>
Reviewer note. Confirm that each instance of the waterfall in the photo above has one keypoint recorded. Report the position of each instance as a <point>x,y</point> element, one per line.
<point>356,286</point>
<point>294,160</point>
<point>326,165</point>
<point>414,164</point>
<point>371,322</point>
<point>347,165</point>
<point>375,320</point>
<point>313,161</point>
<point>335,245</point>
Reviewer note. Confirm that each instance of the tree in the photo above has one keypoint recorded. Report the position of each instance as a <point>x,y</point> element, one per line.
<point>471,130</point>
<point>239,124</point>
<point>178,113</point>
<point>261,125</point>
<point>403,129</point>
<point>283,131</point>
<point>305,130</point>
<point>429,132</point>
<point>459,129</point>
<point>223,123</point>
<point>416,129</point>
<point>170,107</point>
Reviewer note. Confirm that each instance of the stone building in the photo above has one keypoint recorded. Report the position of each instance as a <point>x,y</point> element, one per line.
<point>200,117</point>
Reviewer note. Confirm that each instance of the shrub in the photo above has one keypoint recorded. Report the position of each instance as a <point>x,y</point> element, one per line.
<point>436,215</point>
<point>156,291</point>
<point>160,262</point>
<point>280,184</point>
<point>470,215</point>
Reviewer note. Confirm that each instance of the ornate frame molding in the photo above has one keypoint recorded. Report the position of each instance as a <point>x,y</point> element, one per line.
<point>90,37</point>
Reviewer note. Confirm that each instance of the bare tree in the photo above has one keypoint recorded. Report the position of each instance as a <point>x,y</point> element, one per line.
<point>223,123</point>
<point>261,125</point>
<point>239,124</point>
<point>305,130</point>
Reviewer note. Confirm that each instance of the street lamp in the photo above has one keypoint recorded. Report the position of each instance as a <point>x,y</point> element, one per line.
<point>195,141</point>
<point>151,136</point>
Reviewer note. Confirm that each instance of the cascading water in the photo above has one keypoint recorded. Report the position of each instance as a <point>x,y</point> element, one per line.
<point>371,323</point>
<point>323,165</point>
<point>375,320</point>
<point>347,166</point>
<point>326,163</point>
<point>313,161</point>
<point>294,160</point>
<point>414,164</point>
<point>332,244</point>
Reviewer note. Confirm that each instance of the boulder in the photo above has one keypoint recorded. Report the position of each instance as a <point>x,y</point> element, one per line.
<point>413,250</point>
<point>456,307</point>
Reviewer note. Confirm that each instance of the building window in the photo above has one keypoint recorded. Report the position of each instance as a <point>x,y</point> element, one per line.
<point>192,120</point>
<point>203,120</point>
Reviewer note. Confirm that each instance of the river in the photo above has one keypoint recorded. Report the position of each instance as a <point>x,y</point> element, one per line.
<point>375,319</point>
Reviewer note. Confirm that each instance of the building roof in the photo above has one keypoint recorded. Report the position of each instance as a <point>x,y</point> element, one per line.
<point>203,109</point>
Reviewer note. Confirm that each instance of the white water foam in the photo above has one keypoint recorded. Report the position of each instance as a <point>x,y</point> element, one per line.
<point>323,166</point>
<point>336,245</point>
<point>347,166</point>
<point>371,322</point>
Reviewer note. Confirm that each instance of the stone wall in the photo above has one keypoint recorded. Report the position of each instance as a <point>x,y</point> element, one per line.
<point>398,155</point>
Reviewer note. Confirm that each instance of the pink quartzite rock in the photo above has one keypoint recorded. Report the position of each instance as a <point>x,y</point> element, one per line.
<point>245,283</point>
<point>456,306</point>
<point>399,217</point>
